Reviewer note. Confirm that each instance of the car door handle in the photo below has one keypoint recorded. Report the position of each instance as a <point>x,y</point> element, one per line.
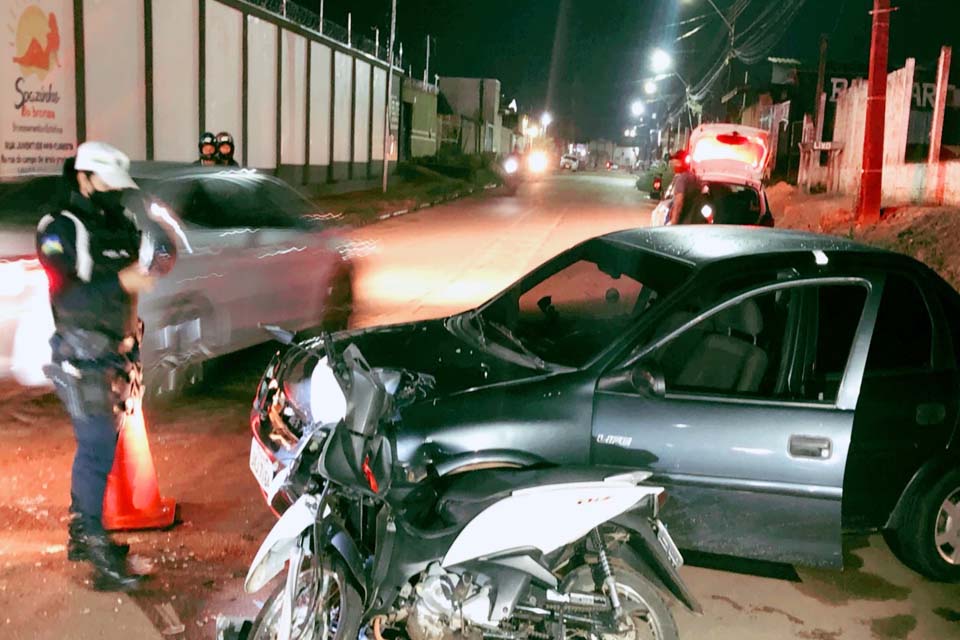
<point>811,447</point>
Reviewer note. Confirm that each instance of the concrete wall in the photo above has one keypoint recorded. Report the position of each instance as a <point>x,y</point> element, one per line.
<point>297,103</point>
<point>421,100</point>
<point>177,70</point>
<point>842,172</point>
<point>476,98</point>
<point>935,184</point>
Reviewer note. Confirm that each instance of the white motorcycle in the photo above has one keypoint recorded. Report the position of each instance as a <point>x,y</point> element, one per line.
<point>375,548</point>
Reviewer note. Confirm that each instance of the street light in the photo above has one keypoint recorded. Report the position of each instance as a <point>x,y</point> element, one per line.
<point>637,108</point>
<point>649,87</point>
<point>660,61</point>
<point>546,119</point>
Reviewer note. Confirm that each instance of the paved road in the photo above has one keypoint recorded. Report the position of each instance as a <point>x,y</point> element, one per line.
<point>422,265</point>
<point>439,261</point>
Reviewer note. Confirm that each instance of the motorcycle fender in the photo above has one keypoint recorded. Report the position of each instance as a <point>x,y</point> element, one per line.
<point>648,553</point>
<point>276,547</point>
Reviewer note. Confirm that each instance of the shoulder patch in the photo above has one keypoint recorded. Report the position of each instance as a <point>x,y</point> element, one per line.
<point>51,245</point>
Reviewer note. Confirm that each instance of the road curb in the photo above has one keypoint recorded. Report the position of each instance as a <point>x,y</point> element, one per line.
<point>459,195</point>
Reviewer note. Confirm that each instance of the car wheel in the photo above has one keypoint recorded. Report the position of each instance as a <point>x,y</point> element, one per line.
<point>929,539</point>
<point>182,357</point>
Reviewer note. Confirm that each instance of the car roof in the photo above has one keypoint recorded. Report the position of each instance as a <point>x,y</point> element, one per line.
<point>698,245</point>
<point>175,170</point>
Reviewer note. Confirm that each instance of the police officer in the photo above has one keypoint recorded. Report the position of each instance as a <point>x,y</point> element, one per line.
<point>686,191</point>
<point>207,146</point>
<point>225,150</point>
<point>89,250</point>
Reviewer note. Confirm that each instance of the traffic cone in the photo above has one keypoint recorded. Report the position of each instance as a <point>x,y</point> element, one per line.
<point>132,499</point>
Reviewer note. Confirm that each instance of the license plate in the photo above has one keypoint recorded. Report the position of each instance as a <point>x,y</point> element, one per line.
<point>260,465</point>
<point>663,536</point>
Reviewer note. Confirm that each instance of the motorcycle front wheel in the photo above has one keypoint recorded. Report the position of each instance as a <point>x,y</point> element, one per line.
<point>648,616</point>
<point>327,606</point>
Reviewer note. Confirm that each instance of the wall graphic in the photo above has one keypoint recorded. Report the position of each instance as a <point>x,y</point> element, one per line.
<point>37,95</point>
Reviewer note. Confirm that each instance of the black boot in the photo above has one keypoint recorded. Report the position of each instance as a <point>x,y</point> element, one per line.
<point>77,546</point>
<point>110,570</point>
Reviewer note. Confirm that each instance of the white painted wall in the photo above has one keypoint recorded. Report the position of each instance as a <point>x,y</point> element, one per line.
<point>176,69</point>
<point>293,119</point>
<point>224,76</point>
<point>115,77</point>
<point>320,104</point>
<point>361,140</point>
<point>261,93</point>
<point>379,105</point>
<point>343,69</point>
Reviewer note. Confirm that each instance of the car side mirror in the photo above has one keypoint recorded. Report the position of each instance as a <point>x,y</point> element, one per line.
<point>648,379</point>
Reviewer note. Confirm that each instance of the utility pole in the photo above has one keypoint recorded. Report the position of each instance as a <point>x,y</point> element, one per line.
<point>386,110</point>
<point>320,26</point>
<point>426,69</point>
<point>871,177</point>
<point>821,78</point>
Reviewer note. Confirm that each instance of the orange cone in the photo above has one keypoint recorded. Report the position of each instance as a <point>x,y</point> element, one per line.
<point>132,499</point>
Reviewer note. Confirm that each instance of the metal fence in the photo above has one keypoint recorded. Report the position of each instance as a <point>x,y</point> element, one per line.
<point>310,20</point>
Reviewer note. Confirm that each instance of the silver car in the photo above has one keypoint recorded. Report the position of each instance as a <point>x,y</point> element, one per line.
<point>251,249</point>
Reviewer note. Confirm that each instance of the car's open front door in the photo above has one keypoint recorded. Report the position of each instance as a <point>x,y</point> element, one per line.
<point>747,411</point>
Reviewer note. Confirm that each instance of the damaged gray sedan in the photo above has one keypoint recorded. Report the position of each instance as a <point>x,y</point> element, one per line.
<point>764,377</point>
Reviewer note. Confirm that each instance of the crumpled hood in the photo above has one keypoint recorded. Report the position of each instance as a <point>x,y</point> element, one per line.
<point>429,347</point>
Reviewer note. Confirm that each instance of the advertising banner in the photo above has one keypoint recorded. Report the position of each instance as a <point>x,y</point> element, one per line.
<point>37,92</point>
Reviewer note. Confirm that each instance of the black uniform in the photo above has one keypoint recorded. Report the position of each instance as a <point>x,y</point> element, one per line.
<point>82,248</point>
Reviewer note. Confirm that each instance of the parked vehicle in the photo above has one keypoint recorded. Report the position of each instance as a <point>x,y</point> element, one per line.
<point>730,161</point>
<point>656,187</point>
<point>762,373</point>
<point>242,233</point>
<point>482,549</point>
<point>570,162</point>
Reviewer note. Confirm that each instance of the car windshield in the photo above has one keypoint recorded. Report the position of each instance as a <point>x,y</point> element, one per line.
<point>223,202</point>
<point>573,307</point>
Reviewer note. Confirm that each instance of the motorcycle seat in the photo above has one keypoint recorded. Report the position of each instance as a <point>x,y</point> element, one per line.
<point>470,493</point>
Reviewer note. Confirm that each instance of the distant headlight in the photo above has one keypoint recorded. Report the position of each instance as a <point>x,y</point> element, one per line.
<point>537,162</point>
<point>511,165</point>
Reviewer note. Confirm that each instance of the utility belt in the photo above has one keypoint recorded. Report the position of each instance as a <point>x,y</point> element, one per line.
<point>94,374</point>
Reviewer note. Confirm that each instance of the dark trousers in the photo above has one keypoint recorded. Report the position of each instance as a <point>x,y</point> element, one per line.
<point>96,437</point>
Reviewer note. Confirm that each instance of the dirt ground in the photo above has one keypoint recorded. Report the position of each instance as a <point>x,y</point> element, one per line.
<point>930,234</point>
<point>199,564</point>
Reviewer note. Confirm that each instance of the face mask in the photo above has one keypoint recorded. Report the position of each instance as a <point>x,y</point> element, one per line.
<point>107,200</point>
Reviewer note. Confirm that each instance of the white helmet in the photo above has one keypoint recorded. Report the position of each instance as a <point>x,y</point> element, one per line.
<point>109,164</point>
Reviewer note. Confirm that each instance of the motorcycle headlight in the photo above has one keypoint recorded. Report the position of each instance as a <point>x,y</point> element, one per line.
<point>511,165</point>
<point>328,404</point>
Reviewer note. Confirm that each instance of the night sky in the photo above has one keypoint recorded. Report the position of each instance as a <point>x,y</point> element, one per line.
<point>585,59</point>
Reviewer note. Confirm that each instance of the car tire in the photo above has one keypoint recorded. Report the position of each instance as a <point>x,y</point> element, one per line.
<point>928,541</point>
<point>180,365</point>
